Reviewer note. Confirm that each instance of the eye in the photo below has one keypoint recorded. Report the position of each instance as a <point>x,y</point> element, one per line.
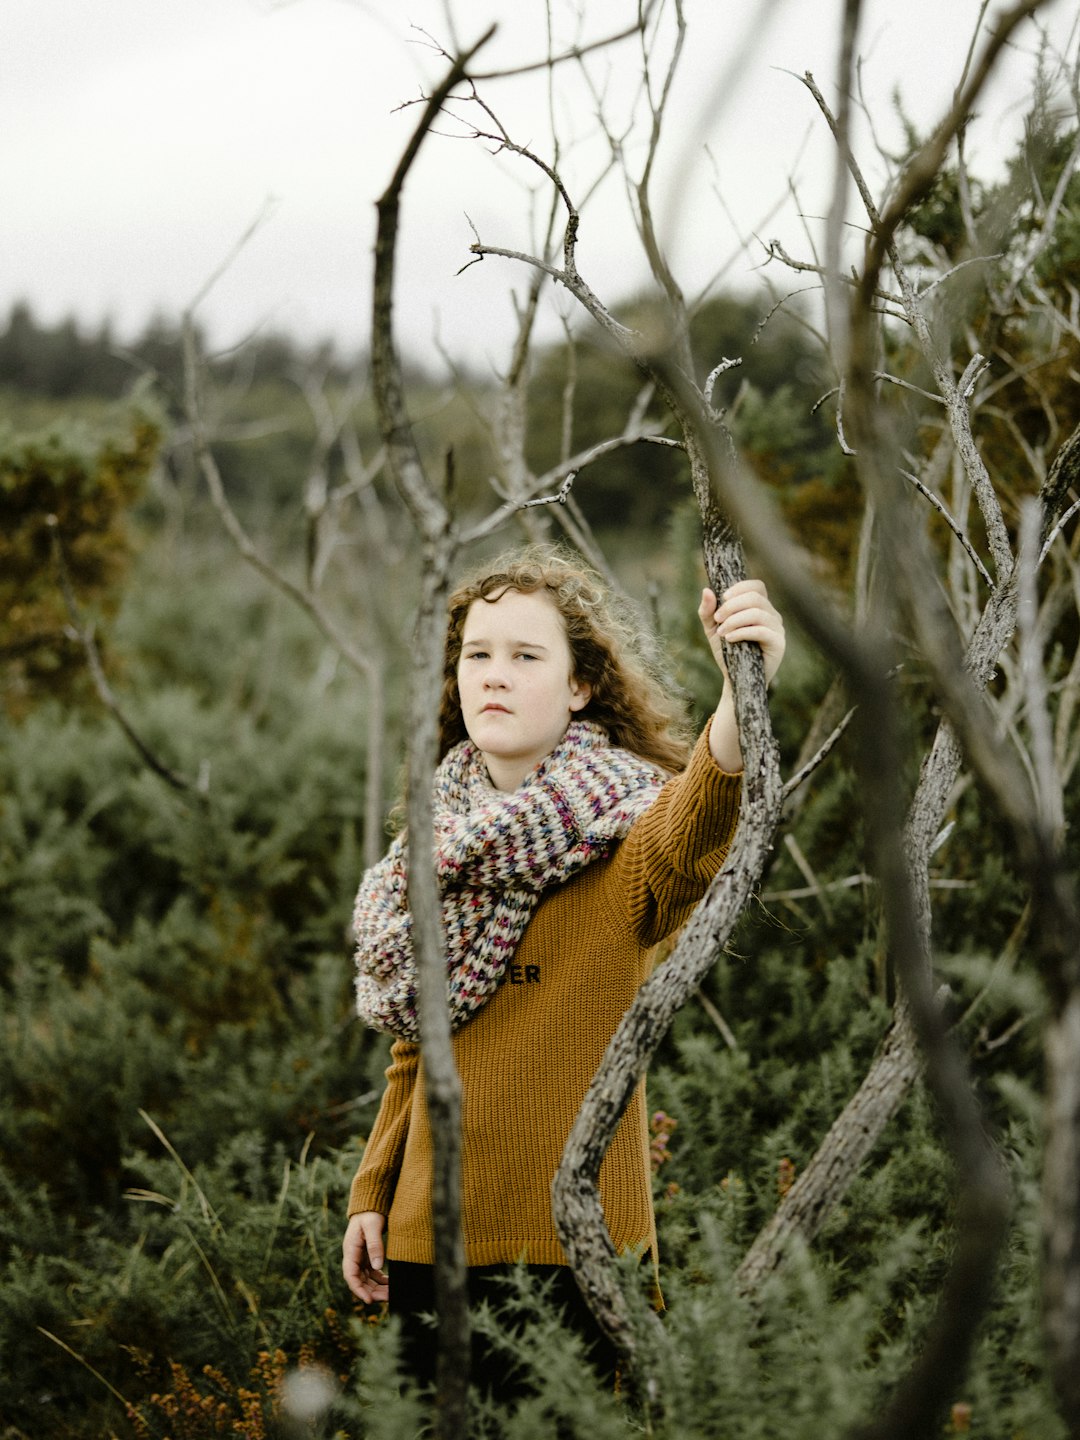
<point>475,655</point>
<point>527,655</point>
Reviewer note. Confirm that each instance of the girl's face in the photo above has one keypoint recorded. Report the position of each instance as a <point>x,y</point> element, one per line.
<point>515,684</point>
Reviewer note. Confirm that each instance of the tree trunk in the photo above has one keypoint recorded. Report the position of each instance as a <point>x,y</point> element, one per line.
<point>840,1156</point>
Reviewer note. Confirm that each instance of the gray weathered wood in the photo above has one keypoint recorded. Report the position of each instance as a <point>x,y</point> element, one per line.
<point>442,1086</point>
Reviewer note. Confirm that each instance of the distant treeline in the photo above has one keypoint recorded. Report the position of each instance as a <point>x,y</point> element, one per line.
<point>768,393</point>
<point>67,360</point>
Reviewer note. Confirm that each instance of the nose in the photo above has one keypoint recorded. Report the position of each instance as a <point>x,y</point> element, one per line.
<point>494,678</point>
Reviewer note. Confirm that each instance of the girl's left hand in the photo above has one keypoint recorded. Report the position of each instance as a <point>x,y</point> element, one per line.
<point>744,613</point>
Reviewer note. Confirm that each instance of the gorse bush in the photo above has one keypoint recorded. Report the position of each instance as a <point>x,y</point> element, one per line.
<point>180,956</point>
<point>74,486</point>
<point>210,1270</point>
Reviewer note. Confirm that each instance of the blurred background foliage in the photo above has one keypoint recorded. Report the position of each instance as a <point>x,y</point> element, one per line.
<point>184,1089</point>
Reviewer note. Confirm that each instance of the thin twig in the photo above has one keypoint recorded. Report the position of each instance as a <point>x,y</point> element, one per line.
<point>817,890</point>
<point>1048,790</point>
<point>714,375</point>
<point>907,385</point>
<point>577,52</point>
<point>300,594</point>
<point>837,318</point>
<point>953,525</point>
<point>124,1401</point>
<point>774,250</point>
<point>845,448</point>
<point>558,476</point>
<point>974,260</point>
<point>716,1016</point>
<point>882,244</point>
<point>812,764</point>
<point>85,636</point>
<point>804,892</point>
<point>256,224</point>
<point>559,498</point>
<point>1069,513</point>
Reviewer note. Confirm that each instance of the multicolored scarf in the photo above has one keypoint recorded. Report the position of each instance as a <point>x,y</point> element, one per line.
<point>496,852</point>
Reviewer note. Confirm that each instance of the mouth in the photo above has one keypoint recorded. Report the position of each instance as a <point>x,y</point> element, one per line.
<point>494,710</point>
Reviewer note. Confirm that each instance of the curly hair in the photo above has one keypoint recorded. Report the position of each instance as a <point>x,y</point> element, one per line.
<point>608,652</point>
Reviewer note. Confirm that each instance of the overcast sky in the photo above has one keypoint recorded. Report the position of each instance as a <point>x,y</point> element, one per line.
<point>140,138</point>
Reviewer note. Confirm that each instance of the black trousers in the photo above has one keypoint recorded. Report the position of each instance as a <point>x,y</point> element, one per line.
<point>412,1294</point>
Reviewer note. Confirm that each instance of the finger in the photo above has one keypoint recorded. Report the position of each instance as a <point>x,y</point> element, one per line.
<point>356,1282</point>
<point>373,1282</point>
<point>746,591</point>
<point>747,599</point>
<point>739,587</point>
<point>371,1291</point>
<point>743,592</point>
<point>372,1227</point>
<point>757,634</point>
<point>355,1262</point>
<point>747,616</point>
<point>365,1283</point>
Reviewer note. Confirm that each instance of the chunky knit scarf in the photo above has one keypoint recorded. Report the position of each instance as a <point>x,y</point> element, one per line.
<point>495,854</point>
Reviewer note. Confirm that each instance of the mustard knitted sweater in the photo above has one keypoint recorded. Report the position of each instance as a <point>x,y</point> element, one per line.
<point>527,1058</point>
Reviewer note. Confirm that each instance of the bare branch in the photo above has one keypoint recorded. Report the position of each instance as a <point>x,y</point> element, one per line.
<point>907,385</point>
<point>1048,788</point>
<point>953,525</point>
<point>442,1087</point>
<point>815,887</point>
<point>835,311</point>
<point>504,142</point>
<point>805,892</point>
<point>256,225</point>
<point>658,265</point>
<point>559,498</point>
<point>845,448</point>
<point>925,165</point>
<point>714,375</point>
<point>1058,528</point>
<point>805,771</point>
<point>841,1154</point>
<point>575,1196</point>
<point>774,250</point>
<point>358,659</point>
<point>559,475</point>
<point>1063,478</point>
<point>85,635</point>
<point>1041,237</point>
<point>401,449</point>
<point>576,52</point>
<point>630,340</point>
<point>882,242</point>
<point>716,1016</point>
<point>955,269</point>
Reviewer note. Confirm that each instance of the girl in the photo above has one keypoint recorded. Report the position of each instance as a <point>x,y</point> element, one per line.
<point>575,829</point>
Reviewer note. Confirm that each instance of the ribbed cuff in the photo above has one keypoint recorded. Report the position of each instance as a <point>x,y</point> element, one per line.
<point>366,1193</point>
<point>706,791</point>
